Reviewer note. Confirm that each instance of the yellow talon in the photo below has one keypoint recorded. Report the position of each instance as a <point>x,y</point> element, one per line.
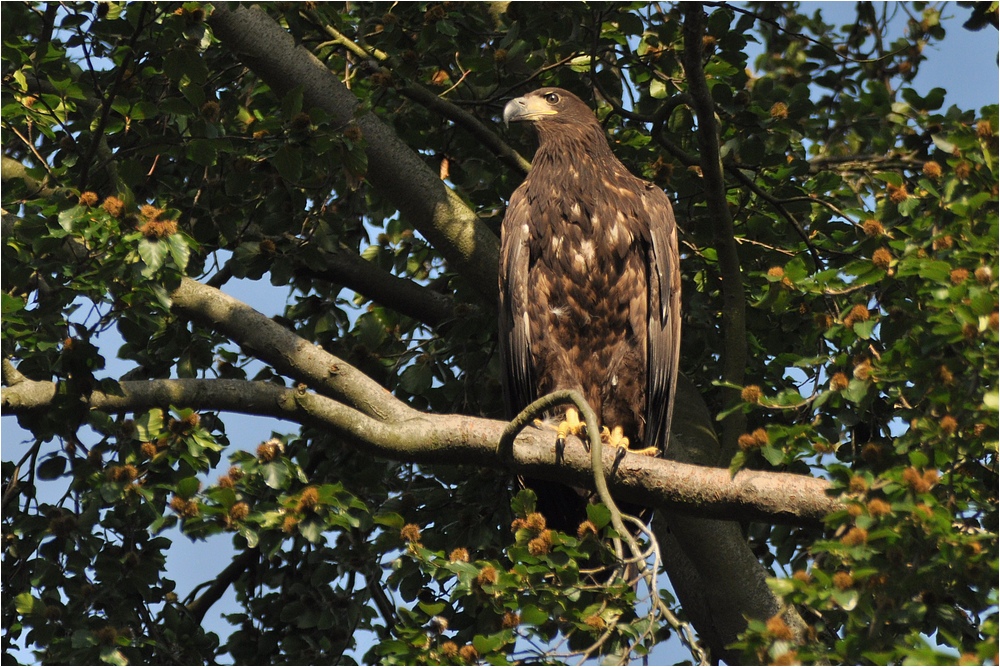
<point>570,425</point>
<point>616,438</point>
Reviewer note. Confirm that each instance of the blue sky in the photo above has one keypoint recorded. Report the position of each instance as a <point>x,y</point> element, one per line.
<point>965,64</point>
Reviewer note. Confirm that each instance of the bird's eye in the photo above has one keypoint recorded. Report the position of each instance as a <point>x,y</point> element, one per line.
<point>551,98</point>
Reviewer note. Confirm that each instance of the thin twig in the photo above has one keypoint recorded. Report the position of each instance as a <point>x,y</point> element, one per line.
<point>798,35</point>
<point>778,205</point>
<point>34,150</point>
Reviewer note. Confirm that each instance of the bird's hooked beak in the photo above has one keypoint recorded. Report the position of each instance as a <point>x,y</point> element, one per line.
<point>526,108</point>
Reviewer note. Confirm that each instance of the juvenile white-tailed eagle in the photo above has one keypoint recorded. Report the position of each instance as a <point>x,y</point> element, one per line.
<point>589,287</point>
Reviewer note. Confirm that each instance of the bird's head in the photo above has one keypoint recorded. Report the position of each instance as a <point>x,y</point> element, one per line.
<point>548,106</point>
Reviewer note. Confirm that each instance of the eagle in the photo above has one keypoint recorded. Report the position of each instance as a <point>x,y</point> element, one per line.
<point>589,289</point>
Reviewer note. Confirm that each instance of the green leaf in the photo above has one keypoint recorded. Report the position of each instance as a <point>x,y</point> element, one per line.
<point>70,216</point>
<point>446,28</point>
<point>11,304</point>
<point>25,604</point>
<point>599,515</point>
<point>773,455</point>
<point>580,63</point>
<point>188,487</point>
<point>856,390</point>
<point>890,177</point>
<point>935,271</point>
<point>432,608</point>
<point>312,529</point>
<point>82,638</point>
<point>488,643</point>
<point>149,426</point>
<point>863,330</point>
<point>203,152</point>
<point>848,599</point>
<point>112,656</point>
<point>657,89</point>
<point>153,253</point>
<point>180,252</point>
<point>991,400</point>
<point>781,587</point>
<point>288,161</point>
<point>276,475</point>
<point>532,615</point>
<point>291,102</point>
<point>185,65</point>
<point>943,144</point>
<point>736,464</point>
<point>52,467</point>
<point>416,379</point>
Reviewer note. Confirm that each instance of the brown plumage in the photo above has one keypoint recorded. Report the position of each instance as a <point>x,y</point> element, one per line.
<point>589,284</point>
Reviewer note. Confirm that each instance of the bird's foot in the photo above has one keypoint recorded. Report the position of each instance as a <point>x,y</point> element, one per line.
<point>570,425</point>
<point>616,438</point>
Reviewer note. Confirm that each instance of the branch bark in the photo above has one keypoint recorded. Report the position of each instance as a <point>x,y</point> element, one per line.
<point>12,170</point>
<point>457,439</point>
<point>393,167</point>
<point>489,139</point>
<point>288,353</point>
<point>404,296</point>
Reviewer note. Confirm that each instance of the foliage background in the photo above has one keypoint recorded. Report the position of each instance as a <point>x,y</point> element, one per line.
<point>887,313</point>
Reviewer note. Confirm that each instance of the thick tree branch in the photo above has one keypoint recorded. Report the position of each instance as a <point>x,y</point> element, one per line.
<point>487,137</point>
<point>11,170</point>
<point>404,296</point>
<point>733,297</point>
<point>289,354</point>
<point>864,163</point>
<point>393,167</point>
<point>457,439</point>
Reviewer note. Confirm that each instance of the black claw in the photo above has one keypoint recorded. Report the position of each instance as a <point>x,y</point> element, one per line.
<point>619,457</point>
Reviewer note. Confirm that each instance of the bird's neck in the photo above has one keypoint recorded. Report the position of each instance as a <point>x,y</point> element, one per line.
<point>579,148</point>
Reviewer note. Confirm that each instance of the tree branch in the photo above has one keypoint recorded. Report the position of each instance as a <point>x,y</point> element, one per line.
<point>288,353</point>
<point>733,298</point>
<point>200,606</point>
<point>864,163</point>
<point>404,296</point>
<point>457,439</point>
<point>393,167</point>
<point>470,123</point>
<point>11,170</point>
<point>428,99</point>
<point>779,206</point>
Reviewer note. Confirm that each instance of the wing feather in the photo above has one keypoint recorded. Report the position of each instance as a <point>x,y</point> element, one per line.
<point>515,330</point>
<point>664,331</point>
